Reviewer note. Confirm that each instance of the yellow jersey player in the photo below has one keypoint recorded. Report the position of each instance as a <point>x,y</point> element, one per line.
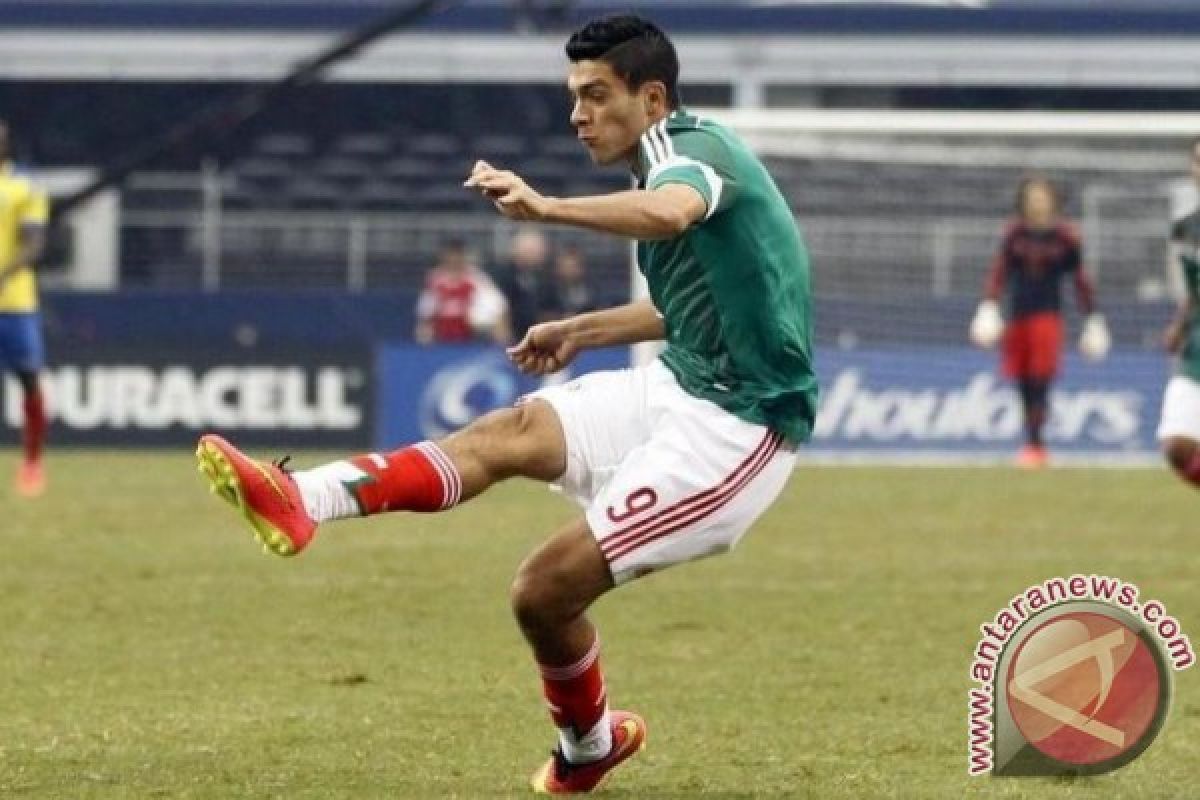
<point>23,212</point>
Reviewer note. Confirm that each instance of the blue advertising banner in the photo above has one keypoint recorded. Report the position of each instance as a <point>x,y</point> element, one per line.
<point>954,401</point>
<point>914,402</point>
<point>156,394</point>
<point>427,392</point>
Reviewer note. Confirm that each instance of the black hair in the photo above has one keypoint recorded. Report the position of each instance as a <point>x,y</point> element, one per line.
<point>636,49</point>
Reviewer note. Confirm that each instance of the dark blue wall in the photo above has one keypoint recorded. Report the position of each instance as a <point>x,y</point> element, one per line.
<point>252,317</point>
<point>1003,17</point>
<point>322,318</point>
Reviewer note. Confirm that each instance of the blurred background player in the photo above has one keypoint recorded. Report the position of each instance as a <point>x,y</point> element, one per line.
<point>572,290</point>
<point>1179,428</point>
<point>1038,250</point>
<point>23,214</point>
<point>459,303</point>
<point>526,282</point>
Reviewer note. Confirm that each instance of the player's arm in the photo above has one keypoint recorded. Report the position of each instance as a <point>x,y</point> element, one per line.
<point>1094,340</point>
<point>988,323</point>
<point>631,323</point>
<point>663,212</point>
<point>33,211</point>
<point>426,305</point>
<point>1174,335</point>
<point>997,274</point>
<point>1176,332</point>
<point>1085,288</point>
<point>29,249</point>
<point>550,346</point>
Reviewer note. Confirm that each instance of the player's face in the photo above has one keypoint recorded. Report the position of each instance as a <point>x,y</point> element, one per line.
<point>608,117</point>
<point>454,260</point>
<point>1040,206</point>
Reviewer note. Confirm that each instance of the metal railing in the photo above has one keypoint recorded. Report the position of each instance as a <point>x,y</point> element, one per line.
<point>185,235</point>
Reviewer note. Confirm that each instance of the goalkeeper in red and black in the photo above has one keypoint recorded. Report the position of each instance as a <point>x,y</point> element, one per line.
<point>1038,251</point>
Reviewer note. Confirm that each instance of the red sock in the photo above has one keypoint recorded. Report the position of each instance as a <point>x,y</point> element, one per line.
<point>418,478</point>
<point>575,693</point>
<point>33,433</point>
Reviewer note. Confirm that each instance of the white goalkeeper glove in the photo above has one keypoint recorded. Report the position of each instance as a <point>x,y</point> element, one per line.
<point>1094,341</point>
<point>987,325</point>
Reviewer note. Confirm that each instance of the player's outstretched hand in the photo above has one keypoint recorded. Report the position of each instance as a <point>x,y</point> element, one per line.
<point>508,192</point>
<point>546,349</point>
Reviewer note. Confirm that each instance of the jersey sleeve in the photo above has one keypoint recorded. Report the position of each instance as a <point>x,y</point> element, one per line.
<point>1073,257</point>
<point>997,274</point>
<point>694,158</point>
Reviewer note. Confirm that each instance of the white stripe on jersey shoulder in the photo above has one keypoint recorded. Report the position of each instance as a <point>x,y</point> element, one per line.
<point>648,147</point>
<point>664,138</point>
<point>654,146</point>
<point>715,184</point>
<point>657,143</point>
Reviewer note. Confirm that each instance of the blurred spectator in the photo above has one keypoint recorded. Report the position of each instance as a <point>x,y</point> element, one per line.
<point>526,283</point>
<point>459,301</point>
<point>573,293</point>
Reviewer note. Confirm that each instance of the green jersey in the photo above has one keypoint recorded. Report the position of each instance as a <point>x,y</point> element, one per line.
<point>1186,234</point>
<point>733,289</point>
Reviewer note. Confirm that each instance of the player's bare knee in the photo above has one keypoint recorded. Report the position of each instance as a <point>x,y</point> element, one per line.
<point>542,597</point>
<point>538,441</point>
<point>535,604</point>
<point>522,440</point>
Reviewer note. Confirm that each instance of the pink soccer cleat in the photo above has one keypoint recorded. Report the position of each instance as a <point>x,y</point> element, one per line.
<point>262,493</point>
<point>559,776</point>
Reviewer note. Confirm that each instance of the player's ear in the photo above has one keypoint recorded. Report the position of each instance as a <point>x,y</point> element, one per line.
<point>654,98</point>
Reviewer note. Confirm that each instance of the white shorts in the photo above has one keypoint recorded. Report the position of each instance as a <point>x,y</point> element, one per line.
<point>1180,410</point>
<point>664,477</point>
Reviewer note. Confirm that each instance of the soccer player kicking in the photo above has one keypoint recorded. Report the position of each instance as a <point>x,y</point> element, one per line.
<point>23,213</point>
<point>671,461</point>
<point>1179,427</point>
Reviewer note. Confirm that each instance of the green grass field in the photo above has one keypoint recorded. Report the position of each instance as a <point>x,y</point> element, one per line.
<point>148,649</point>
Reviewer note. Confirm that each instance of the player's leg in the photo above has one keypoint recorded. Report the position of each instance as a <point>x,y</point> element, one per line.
<point>1016,353</point>
<point>1042,346</point>
<point>568,434</point>
<point>1183,454</point>
<point>1034,391</point>
<point>284,508</point>
<point>550,595</point>
<point>1179,428</point>
<point>25,351</point>
<point>690,489</point>
<point>31,479</point>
